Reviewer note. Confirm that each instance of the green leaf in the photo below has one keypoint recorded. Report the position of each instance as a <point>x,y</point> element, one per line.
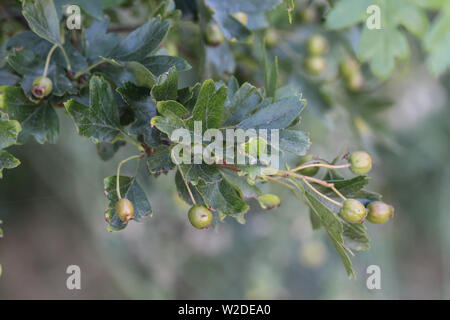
<point>160,64</point>
<point>222,197</point>
<point>167,87</point>
<point>98,43</point>
<point>167,123</point>
<point>144,109</point>
<point>106,150</point>
<point>183,192</point>
<point>333,226</point>
<point>160,160</point>
<point>231,27</point>
<point>241,184</point>
<point>9,131</point>
<point>7,78</point>
<point>131,190</point>
<point>7,161</point>
<point>277,115</point>
<point>355,236</point>
<point>100,121</point>
<point>142,41</point>
<point>194,173</point>
<point>209,106</point>
<point>380,48</point>
<point>37,120</point>
<point>294,141</point>
<point>249,6</point>
<point>43,19</point>
<point>348,187</point>
<point>144,78</point>
<point>437,43</point>
<point>347,13</point>
<point>243,102</point>
<point>92,7</point>
<point>173,106</point>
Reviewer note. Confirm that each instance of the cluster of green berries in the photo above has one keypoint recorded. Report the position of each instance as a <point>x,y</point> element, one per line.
<point>316,47</point>
<point>350,71</point>
<point>376,211</point>
<point>41,87</point>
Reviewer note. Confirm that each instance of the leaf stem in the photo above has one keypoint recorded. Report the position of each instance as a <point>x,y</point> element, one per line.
<point>324,165</point>
<point>79,74</point>
<point>66,57</point>
<point>187,186</point>
<point>118,172</point>
<point>320,194</point>
<point>47,61</point>
<point>326,184</point>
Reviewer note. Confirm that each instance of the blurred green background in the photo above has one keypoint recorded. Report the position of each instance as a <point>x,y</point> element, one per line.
<point>52,211</point>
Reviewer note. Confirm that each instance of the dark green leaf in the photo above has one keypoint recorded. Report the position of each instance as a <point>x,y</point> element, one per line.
<point>222,197</point>
<point>100,120</point>
<point>270,76</point>
<point>43,20</point>
<point>175,107</point>
<point>160,64</point>
<point>160,160</point>
<point>278,115</point>
<point>355,236</point>
<point>97,42</point>
<point>131,190</point>
<point>196,172</point>
<point>7,161</point>
<point>37,120</point>
<point>142,41</point>
<point>144,110</point>
<point>294,141</point>
<point>167,87</point>
<point>249,6</point>
<point>209,106</point>
<point>9,131</point>
<point>242,103</point>
<point>241,184</point>
<point>92,7</point>
<point>231,27</point>
<point>183,192</point>
<point>107,150</point>
<point>7,78</point>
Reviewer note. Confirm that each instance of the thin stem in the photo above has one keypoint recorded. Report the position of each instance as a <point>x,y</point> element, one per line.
<point>47,61</point>
<point>326,184</point>
<point>320,194</point>
<point>66,57</point>
<point>324,165</point>
<point>118,172</point>
<point>187,186</point>
<point>79,74</point>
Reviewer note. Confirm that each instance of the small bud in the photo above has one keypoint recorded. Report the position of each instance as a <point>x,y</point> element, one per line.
<point>348,67</point>
<point>360,162</point>
<point>315,65</point>
<point>42,87</point>
<point>125,209</point>
<point>353,211</point>
<point>355,82</point>
<point>213,35</point>
<point>317,45</point>
<point>379,212</point>
<point>269,201</point>
<point>200,217</point>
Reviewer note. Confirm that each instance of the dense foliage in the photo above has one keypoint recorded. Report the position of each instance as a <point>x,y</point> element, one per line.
<point>125,90</point>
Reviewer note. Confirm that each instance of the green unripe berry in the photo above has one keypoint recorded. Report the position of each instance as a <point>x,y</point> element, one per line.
<point>41,87</point>
<point>213,35</point>
<point>2,99</point>
<point>200,217</point>
<point>355,82</point>
<point>269,201</point>
<point>241,17</point>
<point>379,212</point>
<point>315,65</point>
<point>348,67</point>
<point>125,209</point>
<point>360,162</point>
<point>353,211</point>
<point>311,171</point>
<point>317,45</point>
